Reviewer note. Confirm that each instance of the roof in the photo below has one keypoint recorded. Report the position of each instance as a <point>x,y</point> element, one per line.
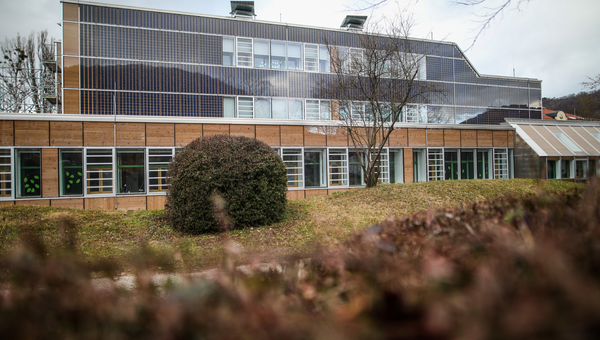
<point>554,138</point>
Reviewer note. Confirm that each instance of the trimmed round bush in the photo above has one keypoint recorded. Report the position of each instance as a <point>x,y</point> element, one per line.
<point>245,172</point>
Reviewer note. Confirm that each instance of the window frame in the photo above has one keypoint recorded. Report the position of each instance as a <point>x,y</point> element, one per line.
<point>11,173</point>
<point>18,172</point>
<point>61,179</point>
<point>101,188</point>
<point>248,61</point>
<point>150,163</point>
<point>233,53</point>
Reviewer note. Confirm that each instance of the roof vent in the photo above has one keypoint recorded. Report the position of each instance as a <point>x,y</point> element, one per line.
<point>242,9</point>
<point>354,22</point>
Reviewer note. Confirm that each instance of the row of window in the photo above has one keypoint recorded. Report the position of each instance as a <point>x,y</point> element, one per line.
<point>260,53</point>
<point>569,169</point>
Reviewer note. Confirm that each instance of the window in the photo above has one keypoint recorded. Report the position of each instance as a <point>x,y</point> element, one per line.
<point>565,169</point>
<point>312,109</point>
<point>358,110</point>
<point>581,169</point>
<point>338,167</point>
<point>483,164</point>
<point>29,174</point>
<point>500,164</point>
<point>131,171</point>
<point>280,108</point>
<point>245,107</point>
<point>99,171</point>
<point>261,53</point>
<point>324,59</point>
<point>325,110</point>
<point>292,158</point>
<point>5,173</point>
<point>382,166</point>
<point>296,109</point>
<point>451,164</point>
<point>229,107</point>
<point>278,55</point>
<point>435,164</point>
<point>158,164</point>
<point>71,172</point>
<point>263,108</point>
<point>294,56</point>
<point>355,173</point>
<point>467,164</point>
<point>314,168</point>
<point>396,166</point>
<point>228,51</point>
<point>419,165</point>
<point>244,52</point>
<point>311,57</point>
<point>551,171</point>
<point>567,141</point>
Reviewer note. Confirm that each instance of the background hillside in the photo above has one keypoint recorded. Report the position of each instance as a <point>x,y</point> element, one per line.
<point>584,104</point>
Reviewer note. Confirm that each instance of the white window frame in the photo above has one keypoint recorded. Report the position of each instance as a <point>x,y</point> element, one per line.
<point>61,183</point>
<point>289,165</point>
<point>233,54</point>
<point>322,168</point>
<point>311,57</point>
<point>501,170</point>
<point>150,163</point>
<point>254,54</point>
<point>242,107</point>
<point>435,164</point>
<point>11,173</point>
<point>244,59</point>
<point>343,167</point>
<point>113,173</point>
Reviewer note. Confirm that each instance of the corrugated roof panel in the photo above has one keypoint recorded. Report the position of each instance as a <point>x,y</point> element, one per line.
<point>562,149</point>
<point>578,136</point>
<point>566,137</point>
<point>539,140</point>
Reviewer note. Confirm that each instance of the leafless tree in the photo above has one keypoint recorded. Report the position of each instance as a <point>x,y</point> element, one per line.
<point>592,84</point>
<point>376,86</point>
<point>24,80</point>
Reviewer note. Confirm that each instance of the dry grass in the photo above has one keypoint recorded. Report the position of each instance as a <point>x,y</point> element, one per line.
<point>322,221</point>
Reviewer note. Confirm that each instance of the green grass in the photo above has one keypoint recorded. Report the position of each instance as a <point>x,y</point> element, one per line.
<point>323,220</point>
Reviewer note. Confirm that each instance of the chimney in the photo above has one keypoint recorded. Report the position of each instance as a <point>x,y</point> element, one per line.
<point>242,9</point>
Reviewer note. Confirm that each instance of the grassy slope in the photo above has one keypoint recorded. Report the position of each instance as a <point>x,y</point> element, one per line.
<point>325,220</point>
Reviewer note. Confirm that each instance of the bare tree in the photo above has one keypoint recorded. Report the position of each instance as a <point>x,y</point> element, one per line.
<point>25,80</point>
<point>592,84</point>
<point>376,86</point>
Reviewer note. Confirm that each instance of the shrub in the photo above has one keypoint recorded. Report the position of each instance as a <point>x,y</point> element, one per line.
<point>245,172</point>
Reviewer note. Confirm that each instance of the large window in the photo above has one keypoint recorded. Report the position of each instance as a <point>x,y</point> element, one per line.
<point>71,172</point>
<point>158,164</point>
<point>278,54</point>
<point>261,53</point>
<point>451,164</point>
<point>314,168</point>
<point>131,171</point>
<point>245,107</point>
<point>5,173</point>
<point>311,57</point>
<point>338,167</point>
<point>294,56</point>
<point>228,51</point>
<point>99,170</point>
<point>581,168</point>
<point>396,166</point>
<point>262,108</point>
<point>324,59</point>
<point>244,52</point>
<point>483,164</point>
<point>467,164</point>
<point>29,174</point>
<point>551,172</point>
<point>500,163</point>
<point>419,165</point>
<point>229,107</point>
<point>296,109</point>
<point>565,169</point>
<point>355,173</point>
<point>280,108</point>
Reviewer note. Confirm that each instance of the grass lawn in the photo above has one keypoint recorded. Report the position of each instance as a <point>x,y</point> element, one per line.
<point>327,220</point>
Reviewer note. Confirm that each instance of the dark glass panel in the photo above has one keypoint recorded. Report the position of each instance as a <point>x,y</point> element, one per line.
<point>211,106</point>
<point>71,172</point>
<point>30,177</point>
<point>434,68</point>
<point>190,105</point>
<point>354,169</point>
<point>130,168</point>
<point>447,69</point>
<point>451,165</point>
<point>467,165</point>
<point>483,165</point>
<point>313,165</point>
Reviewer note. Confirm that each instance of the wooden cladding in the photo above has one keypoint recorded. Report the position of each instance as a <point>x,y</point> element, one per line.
<point>268,134</point>
<point>66,133</point>
<point>71,72</point>
<point>408,166</point>
<point>500,139</point>
<point>398,138</point>
<point>70,38</point>
<point>7,137</point>
<point>215,129</point>
<point>452,138</point>
<point>484,138</point>
<point>32,133</point>
<point>435,137</point>
<point>70,12</point>
<point>468,138</point>
<point>131,134</point>
<point>337,136</point>
<point>50,172</point>
<point>243,130</point>
<point>98,134</point>
<point>292,135</point>
<point>71,101</point>
<point>185,133</point>
<point>417,137</point>
<point>159,134</point>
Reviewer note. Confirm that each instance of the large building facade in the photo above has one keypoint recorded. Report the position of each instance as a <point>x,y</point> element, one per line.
<point>137,84</point>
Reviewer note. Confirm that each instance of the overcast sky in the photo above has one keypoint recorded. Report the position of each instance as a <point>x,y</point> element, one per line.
<point>556,41</point>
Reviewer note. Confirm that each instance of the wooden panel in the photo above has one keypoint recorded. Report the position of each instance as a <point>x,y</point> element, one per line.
<point>484,138</point>
<point>451,137</point>
<point>185,133</point>
<point>435,137</point>
<point>215,129</point>
<point>71,72</point>
<point>6,133</point>
<point>398,137</point>
<point>131,134</point>
<point>160,134</point>
<point>70,38</point>
<point>292,135</point>
<point>315,136</point>
<point>72,203</point>
<point>242,130</point>
<point>311,193</point>
<point>98,134</point>
<point>408,166</point>
<point>468,138</point>
<point>33,203</point>
<point>335,109</point>
<point>6,203</point>
<point>331,191</point>
<point>295,194</point>
<point>71,101</point>
<point>49,172</point>
<point>337,136</point>
<point>416,137</point>
<point>131,203</point>
<point>70,12</point>
<point>500,138</point>
<point>511,139</point>
<point>66,133</point>
<point>268,134</point>
<point>103,203</point>
<point>32,133</point>
<point>156,202</point>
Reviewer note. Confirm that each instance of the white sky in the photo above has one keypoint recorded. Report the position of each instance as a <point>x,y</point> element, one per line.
<point>556,41</point>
